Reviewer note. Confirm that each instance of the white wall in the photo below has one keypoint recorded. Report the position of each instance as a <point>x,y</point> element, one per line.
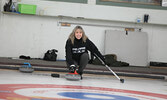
<point>33,35</point>
<point>164,3</point>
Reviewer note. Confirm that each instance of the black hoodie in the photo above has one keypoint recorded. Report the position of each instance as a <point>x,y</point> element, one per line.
<point>74,51</point>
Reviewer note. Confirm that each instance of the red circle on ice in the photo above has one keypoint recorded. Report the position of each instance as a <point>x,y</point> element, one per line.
<point>51,92</point>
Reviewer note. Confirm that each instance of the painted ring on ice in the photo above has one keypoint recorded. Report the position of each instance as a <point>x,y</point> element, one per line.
<point>94,96</point>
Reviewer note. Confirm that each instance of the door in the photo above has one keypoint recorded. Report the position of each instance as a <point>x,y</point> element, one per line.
<point>131,47</point>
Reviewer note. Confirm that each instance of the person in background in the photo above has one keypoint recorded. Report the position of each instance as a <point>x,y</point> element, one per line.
<point>76,48</point>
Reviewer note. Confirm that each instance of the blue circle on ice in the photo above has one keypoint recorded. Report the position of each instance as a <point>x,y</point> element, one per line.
<point>94,96</point>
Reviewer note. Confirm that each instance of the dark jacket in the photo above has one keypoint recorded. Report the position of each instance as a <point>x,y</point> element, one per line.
<point>73,52</point>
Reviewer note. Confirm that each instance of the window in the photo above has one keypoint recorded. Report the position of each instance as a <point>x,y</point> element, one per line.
<point>73,1</point>
<point>148,2</point>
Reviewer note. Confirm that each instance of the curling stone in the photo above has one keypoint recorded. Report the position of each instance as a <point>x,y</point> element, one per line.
<point>73,76</point>
<point>26,68</point>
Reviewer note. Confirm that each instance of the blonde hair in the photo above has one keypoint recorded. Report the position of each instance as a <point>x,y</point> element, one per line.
<point>72,35</point>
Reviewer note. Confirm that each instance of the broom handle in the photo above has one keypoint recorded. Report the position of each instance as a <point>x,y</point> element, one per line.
<point>112,72</point>
<point>108,67</point>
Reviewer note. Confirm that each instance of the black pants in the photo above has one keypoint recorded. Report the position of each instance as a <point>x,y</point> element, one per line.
<point>82,63</point>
